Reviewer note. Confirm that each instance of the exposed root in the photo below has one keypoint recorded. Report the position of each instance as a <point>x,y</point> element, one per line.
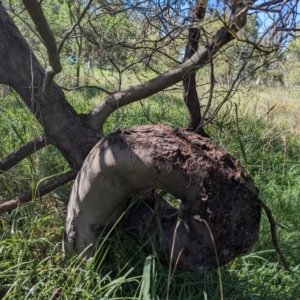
<point>274,236</point>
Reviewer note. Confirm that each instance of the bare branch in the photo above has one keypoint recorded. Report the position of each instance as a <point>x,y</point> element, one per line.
<point>274,236</point>
<point>190,95</point>
<point>288,29</point>
<point>26,150</point>
<point>42,26</point>
<point>211,92</point>
<point>87,7</point>
<point>21,70</point>
<point>121,98</point>
<point>41,191</point>
<point>145,113</point>
<point>269,3</point>
<point>87,87</point>
<point>230,93</point>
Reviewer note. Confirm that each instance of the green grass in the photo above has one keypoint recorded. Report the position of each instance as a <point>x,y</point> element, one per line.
<point>267,144</point>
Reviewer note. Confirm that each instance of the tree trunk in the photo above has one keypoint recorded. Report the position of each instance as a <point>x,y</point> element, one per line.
<point>21,70</point>
<point>190,94</point>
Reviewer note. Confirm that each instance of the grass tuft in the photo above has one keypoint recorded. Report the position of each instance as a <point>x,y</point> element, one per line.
<point>265,140</point>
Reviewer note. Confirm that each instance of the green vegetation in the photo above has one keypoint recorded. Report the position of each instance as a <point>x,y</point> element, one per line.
<point>116,45</point>
<point>266,141</point>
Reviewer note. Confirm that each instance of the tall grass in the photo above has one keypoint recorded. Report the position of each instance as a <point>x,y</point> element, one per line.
<point>266,142</point>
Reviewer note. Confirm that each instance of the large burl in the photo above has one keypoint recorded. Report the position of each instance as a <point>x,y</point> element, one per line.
<point>219,215</point>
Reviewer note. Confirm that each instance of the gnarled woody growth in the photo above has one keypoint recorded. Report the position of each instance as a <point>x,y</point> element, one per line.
<point>211,184</point>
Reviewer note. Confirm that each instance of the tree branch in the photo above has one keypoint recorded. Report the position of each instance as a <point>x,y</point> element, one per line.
<point>269,3</point>
<point>288,29</point>
<point>190,95</point>
<point>87,87</point>
<point>42,26</point>
<point>274,236</point>
<point>21,70</point>
<point>41,191</point>
<point>210,98</point>
<point>121,98</point>
<point>26,150</point>
<point>230,92</point>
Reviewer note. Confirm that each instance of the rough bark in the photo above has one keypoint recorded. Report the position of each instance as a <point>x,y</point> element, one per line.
<point>20,69</point>
<point>217,196</point>
<point>211,185</point>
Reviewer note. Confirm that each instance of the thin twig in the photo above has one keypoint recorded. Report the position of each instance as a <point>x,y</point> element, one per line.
<point>211,93</point>
<point>87,87</point>
<point>268,3</point>
<point>230,93</point>
<point>87,7</point>
<point>145,114</point>
<point>274,235</point>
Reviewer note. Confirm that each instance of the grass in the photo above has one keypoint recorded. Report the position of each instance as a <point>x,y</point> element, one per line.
<point>266,142</point>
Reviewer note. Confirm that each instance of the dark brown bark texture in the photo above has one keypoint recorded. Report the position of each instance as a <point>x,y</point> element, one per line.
<point>20,69</point>
<point>210,183</point>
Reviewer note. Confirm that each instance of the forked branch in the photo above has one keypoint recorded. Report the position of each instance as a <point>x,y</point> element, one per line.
<point>121,98</point>
<point>40,191</point>
<point>87,7</point>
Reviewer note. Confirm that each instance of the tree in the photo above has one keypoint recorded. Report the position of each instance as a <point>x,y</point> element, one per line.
<point>161,24</point>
